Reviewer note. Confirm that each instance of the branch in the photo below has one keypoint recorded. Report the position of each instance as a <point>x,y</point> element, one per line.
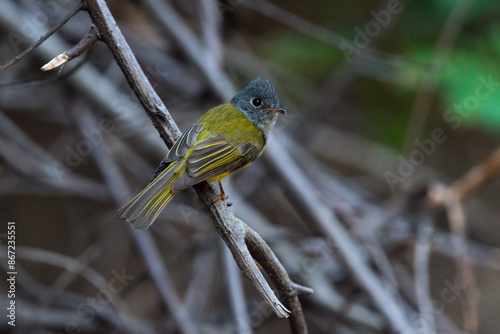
<point>451,198</point>
<point>233,231</point>
<point>422,279</point>
<point>86,43</point>
<point>173,25</point>
<point>42,39</point>
<point>456,218</point>
<point>323,217</point>
<point>477,176</point>
<point>236,294</point>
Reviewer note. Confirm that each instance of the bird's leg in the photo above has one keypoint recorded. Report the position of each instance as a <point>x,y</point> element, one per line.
<point>222,195</point>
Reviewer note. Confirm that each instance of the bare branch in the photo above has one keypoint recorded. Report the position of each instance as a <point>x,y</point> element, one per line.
<point>477,176</point>
<point>422,280</point>
<point>236,293</point>
<point>151,102</point>
<point>232,230</point>
<point>42,38</point>
<point>324,219</point>
<point>86,43</point>
<point>174,26</point>
<point>449,199</point>
<point>457,221</point>
<point>145,242</point>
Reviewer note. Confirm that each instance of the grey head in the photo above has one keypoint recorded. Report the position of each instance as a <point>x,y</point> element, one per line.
<point>259,102</point>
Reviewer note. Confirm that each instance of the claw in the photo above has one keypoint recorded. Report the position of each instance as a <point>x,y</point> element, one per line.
<point>222,195</point>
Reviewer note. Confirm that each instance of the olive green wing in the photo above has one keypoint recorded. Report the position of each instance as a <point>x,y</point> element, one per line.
<point>144,208</point>
<point>213,157</point>
<point>180,148</point>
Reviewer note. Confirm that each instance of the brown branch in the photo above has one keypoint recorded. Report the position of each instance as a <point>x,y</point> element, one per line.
<point>477,176</point>
<point>42,38</point>
<point>422,279</point>
<point>451,198</point>
<point>86,43</point>
<point>171,22</point>
<point>233,231</point>
<point>270,263</point>
<point>236,293</point>
<point>448,198</point>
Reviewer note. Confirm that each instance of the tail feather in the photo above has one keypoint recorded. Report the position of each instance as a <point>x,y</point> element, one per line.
<point>144,208</point>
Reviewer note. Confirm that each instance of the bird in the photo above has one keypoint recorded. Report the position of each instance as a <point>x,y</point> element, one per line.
<point>227,138</point>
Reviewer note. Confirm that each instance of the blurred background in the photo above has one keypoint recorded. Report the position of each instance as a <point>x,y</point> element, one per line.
<point>385,100</point>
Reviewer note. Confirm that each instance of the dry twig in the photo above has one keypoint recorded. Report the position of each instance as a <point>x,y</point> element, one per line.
<point>451,198</point>
<point>85,44</point>
<point>476,177</point>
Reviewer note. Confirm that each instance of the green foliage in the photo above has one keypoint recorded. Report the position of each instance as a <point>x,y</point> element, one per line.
<point>302,54</point>
<point>463,80</point>
<point>477,8</point>
<point>472,61</point>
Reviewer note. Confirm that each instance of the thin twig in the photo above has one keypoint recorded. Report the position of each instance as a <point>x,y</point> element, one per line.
<point>234,231</point>
<point>42,38</point>
<point>441,196</point>
<point>329,224</point>
<point>422,280</point>
<point>456,219</point>
<point>477,176</point>
<point>200,288</point>
<point>307,28</point>
<point>60,284</point>
<point>407,284</point>
<point>71,265</point>
<point>236,293</point>
<point>137,80</point>
<point>85,44</point>
<point>451,199</point>
<point>270,263</point>
<point>171,22</point>
<point>211,26</point>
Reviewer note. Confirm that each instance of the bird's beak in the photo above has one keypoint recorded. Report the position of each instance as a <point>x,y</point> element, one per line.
<point>277,110</point>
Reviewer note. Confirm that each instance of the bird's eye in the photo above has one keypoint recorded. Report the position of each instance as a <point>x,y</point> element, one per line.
<point>256,102</point>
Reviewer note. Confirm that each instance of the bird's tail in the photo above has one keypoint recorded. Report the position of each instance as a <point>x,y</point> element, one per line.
<point>144,208</point>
